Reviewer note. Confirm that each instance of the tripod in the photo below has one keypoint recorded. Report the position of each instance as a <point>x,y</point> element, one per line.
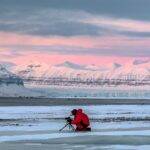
<point>70,127</point>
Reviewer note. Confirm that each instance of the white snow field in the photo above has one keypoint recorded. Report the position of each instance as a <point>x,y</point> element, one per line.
<point>114,127</point>
<point>120,92</point>
<point>14,90</point>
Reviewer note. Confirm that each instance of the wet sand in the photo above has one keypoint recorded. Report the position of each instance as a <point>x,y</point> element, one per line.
<point>15,101</point>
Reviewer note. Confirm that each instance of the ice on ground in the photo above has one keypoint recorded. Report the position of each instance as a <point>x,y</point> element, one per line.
<point>104,117</point>
<point>14,90</point>
<point>141,92</point>
<point>145,135</point>
<point>120,92</point>
<point>54,112</point>
<point>40,125</point>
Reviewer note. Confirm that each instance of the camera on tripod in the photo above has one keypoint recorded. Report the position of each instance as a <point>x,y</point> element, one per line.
<point>68,119</point>
<point>68,123</point>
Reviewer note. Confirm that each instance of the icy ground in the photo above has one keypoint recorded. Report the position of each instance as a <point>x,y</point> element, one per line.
<point>14,90</point>
<point>113,127</point>
<point>119,92</point>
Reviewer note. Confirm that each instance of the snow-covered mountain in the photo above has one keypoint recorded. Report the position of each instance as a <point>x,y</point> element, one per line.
<point>6,77</point>
<point>6,64</point>
<point>69,75</point>
<point>12,85</point>
<point>63,70</point>
<point>68,64</point>
<point>138,61</point>
<point>137,70</point>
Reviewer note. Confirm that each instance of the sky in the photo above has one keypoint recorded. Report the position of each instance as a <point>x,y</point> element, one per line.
<point>80,31</point>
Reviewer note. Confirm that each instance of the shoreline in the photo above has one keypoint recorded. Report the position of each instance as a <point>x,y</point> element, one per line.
<point>20,101</point>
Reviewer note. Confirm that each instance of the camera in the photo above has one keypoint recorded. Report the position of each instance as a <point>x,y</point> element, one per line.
<point>68,119</point>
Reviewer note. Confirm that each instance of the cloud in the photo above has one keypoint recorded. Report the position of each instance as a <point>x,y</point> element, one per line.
<point>134,9</point>
<point>80,45</point>
<point>120,51</point>
<point>48,22</point>
<point>75,27</point>
<point>49,18</point>
<point>119,24</point>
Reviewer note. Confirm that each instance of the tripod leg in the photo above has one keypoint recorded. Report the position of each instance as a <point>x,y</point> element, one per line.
<point>71,127</point>
<point>64,126</point>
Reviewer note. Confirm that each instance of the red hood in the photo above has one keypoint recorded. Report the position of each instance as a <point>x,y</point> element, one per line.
<point>79,111</point>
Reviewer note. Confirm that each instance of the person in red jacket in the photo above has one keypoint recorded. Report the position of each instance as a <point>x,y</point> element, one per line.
<point>81,120</point>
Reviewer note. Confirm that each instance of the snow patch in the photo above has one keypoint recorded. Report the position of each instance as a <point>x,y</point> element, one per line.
<point>14,90</point>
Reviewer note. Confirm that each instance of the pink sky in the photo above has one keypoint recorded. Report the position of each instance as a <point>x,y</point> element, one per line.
<point>56,59</point>
<point>27,54</point>
<point>53,32</point>
<point>7,38</point>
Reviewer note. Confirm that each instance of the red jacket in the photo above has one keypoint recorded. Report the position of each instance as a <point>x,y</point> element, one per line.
<point>81,120</point>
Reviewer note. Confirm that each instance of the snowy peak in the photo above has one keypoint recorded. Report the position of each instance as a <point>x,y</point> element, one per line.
<point>71,70</point>
<point>111,66</point>
<point>6,77</point>
<point>32,70</point>
<point>8,65</point>
<point>116,65</point>
<point>92,67</point>
<point>68,64</point>
<point>34,66</point>
<point>139,62</point>
<point>4,72</point>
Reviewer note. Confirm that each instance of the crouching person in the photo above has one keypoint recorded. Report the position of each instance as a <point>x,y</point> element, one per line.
<point>81,120</point>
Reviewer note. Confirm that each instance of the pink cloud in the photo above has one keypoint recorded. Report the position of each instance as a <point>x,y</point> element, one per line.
<point>118,24</point>
<point>15,39</point>
<point>103,42</point>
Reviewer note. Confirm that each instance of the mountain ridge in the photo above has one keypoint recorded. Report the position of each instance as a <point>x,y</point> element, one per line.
<point>73,70</point>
